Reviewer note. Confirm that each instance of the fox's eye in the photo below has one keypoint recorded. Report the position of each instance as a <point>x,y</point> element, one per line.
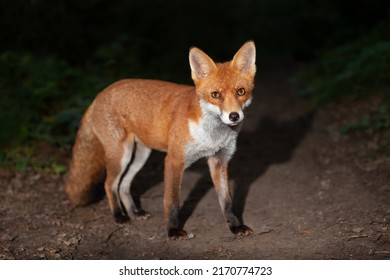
<point>215,94</point>
<point>240,91</point>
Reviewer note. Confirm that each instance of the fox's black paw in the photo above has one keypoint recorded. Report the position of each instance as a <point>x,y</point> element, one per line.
<point>179,234</point>
<point>121,218</point>
<point>241,230</point>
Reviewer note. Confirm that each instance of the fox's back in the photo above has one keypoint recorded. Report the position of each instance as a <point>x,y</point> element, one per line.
<point>146,108</point>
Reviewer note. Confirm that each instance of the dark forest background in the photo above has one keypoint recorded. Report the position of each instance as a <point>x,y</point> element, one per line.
<point>55,56</point>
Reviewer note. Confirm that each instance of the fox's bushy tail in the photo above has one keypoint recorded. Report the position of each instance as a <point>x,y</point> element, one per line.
<point>87,166</point>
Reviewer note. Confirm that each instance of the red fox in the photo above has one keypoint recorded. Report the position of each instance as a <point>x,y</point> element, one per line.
<point>131,117</point>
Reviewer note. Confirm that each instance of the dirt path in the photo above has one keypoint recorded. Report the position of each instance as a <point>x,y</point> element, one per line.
<point>296,184</point>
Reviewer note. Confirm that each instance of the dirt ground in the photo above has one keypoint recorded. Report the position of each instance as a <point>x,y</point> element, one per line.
<point>305,190</point>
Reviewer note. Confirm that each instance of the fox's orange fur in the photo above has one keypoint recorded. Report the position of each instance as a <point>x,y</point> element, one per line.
<point>131,117</point>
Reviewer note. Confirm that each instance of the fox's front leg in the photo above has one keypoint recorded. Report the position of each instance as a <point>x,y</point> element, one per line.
<point>219,175</point>
<point>174,168</point>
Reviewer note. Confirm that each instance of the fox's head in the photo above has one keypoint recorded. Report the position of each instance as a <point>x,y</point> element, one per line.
<point>225,89</point>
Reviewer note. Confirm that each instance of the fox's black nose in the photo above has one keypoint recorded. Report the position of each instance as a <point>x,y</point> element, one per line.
<point>234,116</point>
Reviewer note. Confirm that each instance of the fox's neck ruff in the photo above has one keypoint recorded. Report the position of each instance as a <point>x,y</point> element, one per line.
<point>210,135</point>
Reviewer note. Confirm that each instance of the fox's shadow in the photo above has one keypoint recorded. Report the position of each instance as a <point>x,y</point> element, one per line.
<point>272,142</point>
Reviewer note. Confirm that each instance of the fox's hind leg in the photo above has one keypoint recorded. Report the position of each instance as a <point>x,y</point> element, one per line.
<point>140,153</point>
<point>118,160</point>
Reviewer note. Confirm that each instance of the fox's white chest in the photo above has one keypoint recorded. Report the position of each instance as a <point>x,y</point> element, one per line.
<point>210,137</point>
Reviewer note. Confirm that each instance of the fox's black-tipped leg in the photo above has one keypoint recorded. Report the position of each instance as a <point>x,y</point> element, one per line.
<point>235,225</point>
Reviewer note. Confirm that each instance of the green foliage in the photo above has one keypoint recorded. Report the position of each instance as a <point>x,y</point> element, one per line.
<point>358,69</point>
<point>42,97</point>
<point>351,71</point>
<point>379,121</point>
<point>25,156</point>
<point>19,157</point>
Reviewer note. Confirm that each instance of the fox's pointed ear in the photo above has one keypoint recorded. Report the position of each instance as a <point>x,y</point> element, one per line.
<point>245,59</point>
<point>201,64</point>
